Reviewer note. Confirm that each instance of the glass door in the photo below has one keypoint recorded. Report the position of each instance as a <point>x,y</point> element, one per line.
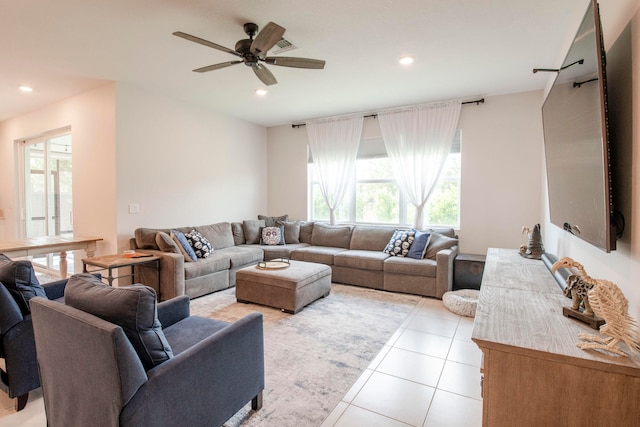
<point>47,197</point>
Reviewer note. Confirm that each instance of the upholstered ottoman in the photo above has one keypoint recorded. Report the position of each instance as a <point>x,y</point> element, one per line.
<point>289,289</point>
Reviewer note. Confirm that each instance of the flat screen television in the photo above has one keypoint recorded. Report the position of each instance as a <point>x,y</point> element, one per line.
<point>576,140</point>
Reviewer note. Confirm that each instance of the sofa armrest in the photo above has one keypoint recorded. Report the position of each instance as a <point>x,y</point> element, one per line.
<point>214,379</point>
<point>174,310</point>
<point>444,272</point>
<point>171,274</point>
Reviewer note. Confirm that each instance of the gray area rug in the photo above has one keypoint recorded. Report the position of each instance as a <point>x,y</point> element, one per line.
<point>313,358</point>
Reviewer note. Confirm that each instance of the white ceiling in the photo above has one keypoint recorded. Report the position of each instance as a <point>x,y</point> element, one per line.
<point>462,48</point>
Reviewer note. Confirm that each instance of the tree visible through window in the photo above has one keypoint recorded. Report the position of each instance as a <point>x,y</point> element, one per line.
<point>376,198</point>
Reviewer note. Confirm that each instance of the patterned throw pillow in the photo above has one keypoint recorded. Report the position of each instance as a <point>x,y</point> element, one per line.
<point>199,244</point>
<point>272,235</point>
<point>400,243</point>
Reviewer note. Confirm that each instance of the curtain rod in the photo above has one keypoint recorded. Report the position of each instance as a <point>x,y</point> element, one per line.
<point>477,102</point>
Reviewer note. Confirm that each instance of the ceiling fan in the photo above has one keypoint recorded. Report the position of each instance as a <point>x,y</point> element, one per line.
<point>254,51</point>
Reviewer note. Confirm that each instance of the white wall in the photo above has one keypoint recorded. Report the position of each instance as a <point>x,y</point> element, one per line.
<point>501,170</point>
<point>621,266</point>
<point>184,165</point>
<point>181,164</point>
<point>92,120</point>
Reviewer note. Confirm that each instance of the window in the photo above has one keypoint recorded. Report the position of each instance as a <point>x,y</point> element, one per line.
<point>376,198</point>
<point>46,189</point>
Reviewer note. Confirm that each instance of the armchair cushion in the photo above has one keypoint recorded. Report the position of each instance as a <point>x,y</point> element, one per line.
<point>131,307</point>
<point>20,279</point>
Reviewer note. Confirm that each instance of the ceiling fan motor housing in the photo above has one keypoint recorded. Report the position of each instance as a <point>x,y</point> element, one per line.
<point>243,47</point>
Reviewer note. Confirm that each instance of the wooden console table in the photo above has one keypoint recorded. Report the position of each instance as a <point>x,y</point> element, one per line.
<point>48,245</point>
<point>533,373</point>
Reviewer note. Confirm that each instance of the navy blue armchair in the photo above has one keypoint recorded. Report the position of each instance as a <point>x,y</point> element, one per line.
<point>115,357</point>
<point>17,346</point>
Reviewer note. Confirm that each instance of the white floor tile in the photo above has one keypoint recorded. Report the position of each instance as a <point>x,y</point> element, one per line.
<point>358,417</point>
<point>452,410</point>
<point>434,325</point>
<point>466,352</point>
<point>412,366</point>
<point>399,399</point>
<point>421,342</point>
<point>460,379</point>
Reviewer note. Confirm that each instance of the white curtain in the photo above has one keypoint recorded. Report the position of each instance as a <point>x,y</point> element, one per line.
<point>418,140</point>
<point>334,147</point>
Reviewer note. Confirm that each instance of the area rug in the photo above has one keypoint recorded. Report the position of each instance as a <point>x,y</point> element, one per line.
<point>312,358</point>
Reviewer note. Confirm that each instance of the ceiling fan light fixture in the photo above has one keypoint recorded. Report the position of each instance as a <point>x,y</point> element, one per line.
<point>261,92</point>
<point>25,88</point>
<point>406,60</point>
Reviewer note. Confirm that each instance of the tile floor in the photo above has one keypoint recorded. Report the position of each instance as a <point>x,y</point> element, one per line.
<point>428,375</point>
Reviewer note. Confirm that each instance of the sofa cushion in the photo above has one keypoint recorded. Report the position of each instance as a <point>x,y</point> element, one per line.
<point>271,236</point>
<point>199,244</point>
<point>400,243</point>
<point>183,245</point>
<point>410,266</point>
<point>272,221</point>
<point>240,256</point>
<point>217,261</point>
<point>131,307</point>
<point>19,277</point>
<point>146,237</point>
<point>252,230</point>
<point>318,254</point>
<point>238,233</point>
<point>291,231</point>
<point>306,231</point>
<point>370,237</point>
<point>166,244</point>
<point>361,259</point>
<point>281,251</point>
<point>419,246</point>
<point>437,243</point>
<point>219,235</point>
<point>337,236</point>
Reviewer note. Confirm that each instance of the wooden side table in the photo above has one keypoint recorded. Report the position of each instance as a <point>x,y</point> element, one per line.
<point>114,262</point>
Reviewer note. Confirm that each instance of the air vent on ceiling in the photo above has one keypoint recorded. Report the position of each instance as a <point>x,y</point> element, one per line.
<point>283,45</point>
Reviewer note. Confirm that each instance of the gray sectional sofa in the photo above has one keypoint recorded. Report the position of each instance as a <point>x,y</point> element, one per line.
<point>354,253</point>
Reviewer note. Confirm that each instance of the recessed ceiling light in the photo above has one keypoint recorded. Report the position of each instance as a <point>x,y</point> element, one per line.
<point>261,92</point>
<point>25,88</point>
<point>406,60</point>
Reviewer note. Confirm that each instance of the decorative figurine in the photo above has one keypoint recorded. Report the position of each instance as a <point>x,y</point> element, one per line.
<point>577,289</point>
<point>534,249</point>
<point>608,302</point>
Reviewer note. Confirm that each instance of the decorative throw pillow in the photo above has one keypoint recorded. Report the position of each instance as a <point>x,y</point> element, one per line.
<point>166,243</point>
<point>400,243</point>
<point>419,246</point>
<point>131,307</point>
<point>199,244</point>
<point>252,230</point>
<point>272,235</point>
<point>184,246</point>
<point>20,279</point>
<point>437,243</point>
<point>272,221</point>
<point>291,231</point>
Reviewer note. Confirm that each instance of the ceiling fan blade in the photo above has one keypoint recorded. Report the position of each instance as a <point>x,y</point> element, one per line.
<point>267,38</point>
<point>216,66</point>
<point>284,61</point>
<point>264,74</point>
<point>205,42</point>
